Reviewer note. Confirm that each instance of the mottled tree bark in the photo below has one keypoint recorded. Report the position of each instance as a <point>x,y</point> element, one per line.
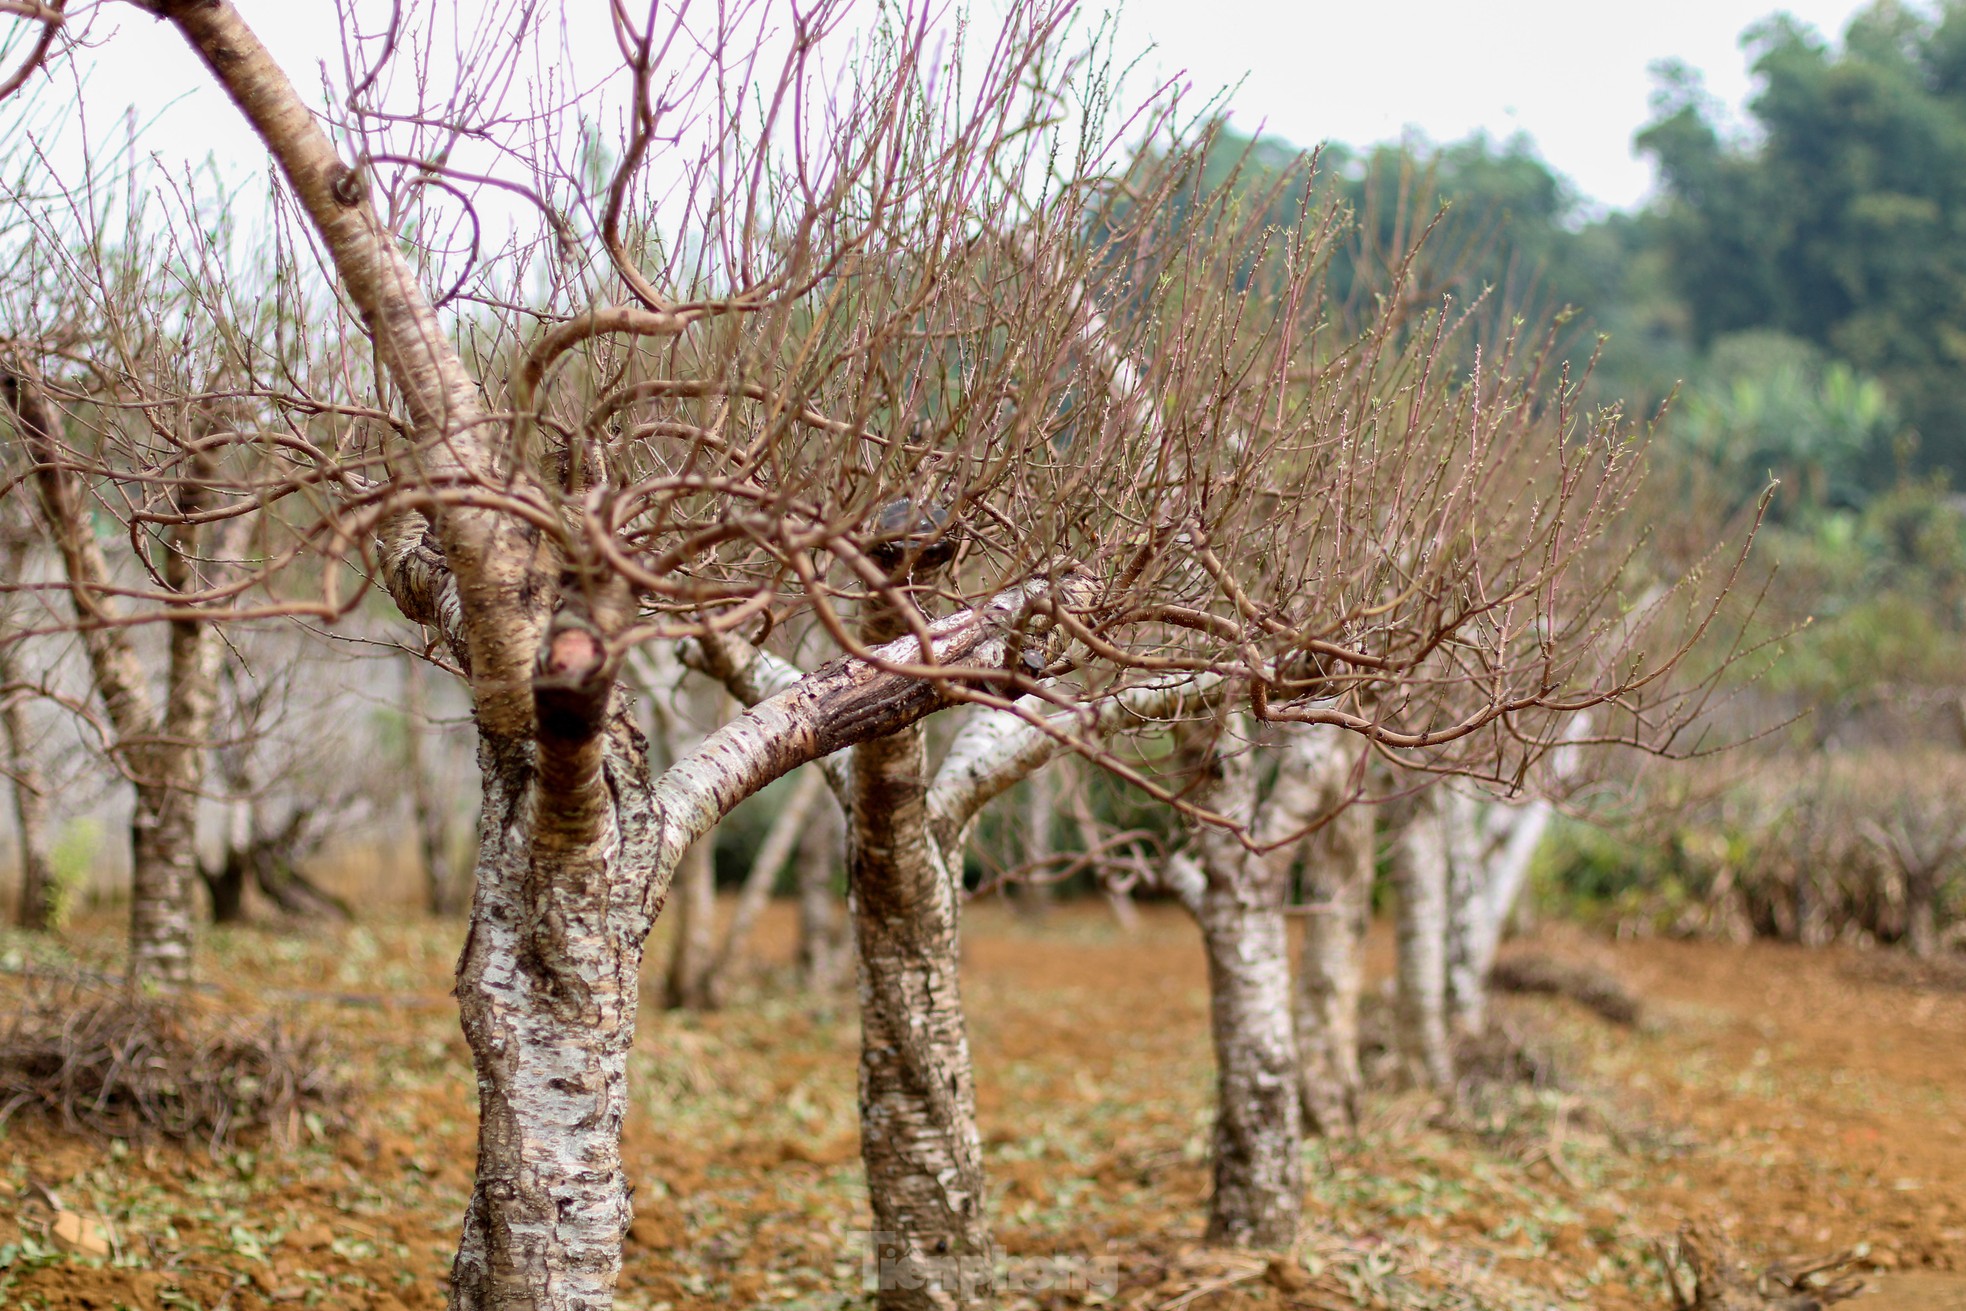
<point>918,1134</point>
<point>1239,904</point>
<point>1419,878</point>
<point>1259,1185</point>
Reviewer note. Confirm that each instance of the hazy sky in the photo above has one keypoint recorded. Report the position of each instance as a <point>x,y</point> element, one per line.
<point>1572,75</point>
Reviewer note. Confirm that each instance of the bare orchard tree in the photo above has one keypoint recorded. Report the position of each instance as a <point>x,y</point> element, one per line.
<point>810,272</point>
<point>159,743</point>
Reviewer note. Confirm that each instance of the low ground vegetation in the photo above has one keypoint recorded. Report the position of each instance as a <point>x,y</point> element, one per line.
<point>1796,1104</point>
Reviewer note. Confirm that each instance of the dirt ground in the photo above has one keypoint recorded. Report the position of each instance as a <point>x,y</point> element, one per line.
<point>1800,1101</point>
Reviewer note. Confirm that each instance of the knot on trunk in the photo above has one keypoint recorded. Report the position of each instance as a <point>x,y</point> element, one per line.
<point>575,675</point>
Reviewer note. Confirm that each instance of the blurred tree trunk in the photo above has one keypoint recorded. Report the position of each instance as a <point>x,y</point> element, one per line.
<point>164,753</point>
<point>1500,853</point>
<point>1922,912</point>
<point>39,906</point>
<point>686,984</point>
<point>1338,869</point>
<point>1258,1197</point>
<point>1036,894</point>
<point>444,894</point>
<point>825,942</point>
<point>693,895</point>
<point>1419,878</point>
<point>780,841</point>
<point>1470,879</point>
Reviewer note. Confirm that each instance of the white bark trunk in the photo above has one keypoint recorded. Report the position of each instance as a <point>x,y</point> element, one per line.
<point>1468,875</point>
<point>1338,868</point>
<point>1514,833</point>
<point>825,944</point>
<point>1419,877</point>
<point>1259,1189</point>
<point>918,1133</point>
<point>37,907</point>
<point>1259,1186</point>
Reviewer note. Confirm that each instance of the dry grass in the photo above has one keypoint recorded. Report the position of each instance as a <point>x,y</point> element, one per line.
<point>99,1058</point>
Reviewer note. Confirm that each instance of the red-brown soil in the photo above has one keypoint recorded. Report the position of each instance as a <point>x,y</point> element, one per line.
<point>1802,1101</point>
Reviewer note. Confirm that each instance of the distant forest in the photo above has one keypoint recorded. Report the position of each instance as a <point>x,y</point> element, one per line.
<point>1797,290</point>
<point>1803,279</point>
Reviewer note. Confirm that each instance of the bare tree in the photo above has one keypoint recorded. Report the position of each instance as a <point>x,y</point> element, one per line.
<point>162,749</point>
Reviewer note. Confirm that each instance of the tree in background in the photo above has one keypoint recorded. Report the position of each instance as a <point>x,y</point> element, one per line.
<point>1839,221</point>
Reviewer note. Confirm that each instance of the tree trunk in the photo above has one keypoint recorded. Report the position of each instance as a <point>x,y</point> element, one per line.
<point>39,905</point>
<point>686,985</point>
<point>918,1137</point>
<point>1505,854</point>
<point>780,840</point>
<point>1338,868</point>
<point>1259,1189</point>
<point>1419,876</point>
<point>1035,894</point>
<point>1259,1185</point>
<point>441,894</point>
<point>1469,877</point>
<point>1922,912</point>
<point>547,987</point>
<point>824,940</point>
<point>226,886</point>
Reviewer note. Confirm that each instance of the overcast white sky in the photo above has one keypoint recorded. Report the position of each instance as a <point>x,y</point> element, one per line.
<point>1570,73</point>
